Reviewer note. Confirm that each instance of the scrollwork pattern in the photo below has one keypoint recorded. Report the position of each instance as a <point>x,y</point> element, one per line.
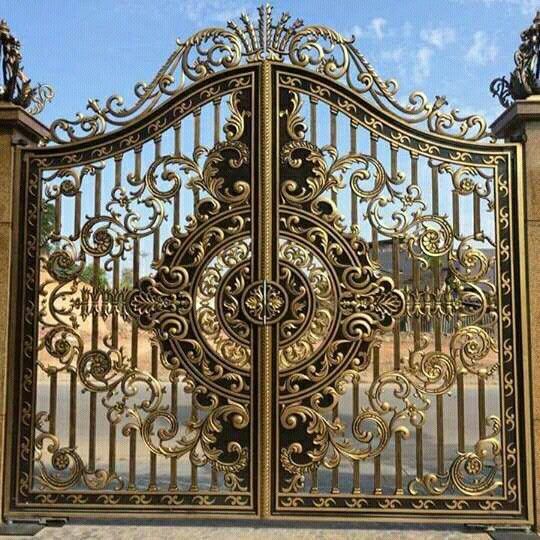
<point>68,469</point>
<point>307,47</point>
<point>471,473</point>
<point>347,296</point>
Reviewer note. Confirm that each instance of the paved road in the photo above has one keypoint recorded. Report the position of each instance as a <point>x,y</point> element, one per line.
<point>130,532</point>
<point>387,460</point>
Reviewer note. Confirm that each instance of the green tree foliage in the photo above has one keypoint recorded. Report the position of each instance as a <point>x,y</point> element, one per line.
<point>87,276</point>
<point>126,280</point>
<point>46,226</point>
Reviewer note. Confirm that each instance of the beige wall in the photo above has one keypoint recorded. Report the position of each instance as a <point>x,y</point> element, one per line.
<point>532,228</point>
<point>6,175</point>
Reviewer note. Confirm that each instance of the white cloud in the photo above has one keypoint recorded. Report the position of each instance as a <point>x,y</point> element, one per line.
<point>207,12</point>
<point>422,66</point>
<point>438,37</point>
<point>356,31</point>
<point>482,51</point>
<point>378,25</point>
<point>396,54</point>
<point>376,28</point>
<point>527,7</point>
<point>407,29</point>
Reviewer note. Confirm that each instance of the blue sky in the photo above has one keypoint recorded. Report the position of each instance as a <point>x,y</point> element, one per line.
<point>92,49</point>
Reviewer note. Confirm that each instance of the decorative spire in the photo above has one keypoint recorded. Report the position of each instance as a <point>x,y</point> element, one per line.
<point>15,86</point>
<point>525,79</point>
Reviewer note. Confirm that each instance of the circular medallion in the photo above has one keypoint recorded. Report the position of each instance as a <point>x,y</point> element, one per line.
<point>264,302</point>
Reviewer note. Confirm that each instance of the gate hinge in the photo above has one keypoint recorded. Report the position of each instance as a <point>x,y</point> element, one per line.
<point>29,527</point>
<point>504,532</point>
<point>44,521</point>
<point>53,522</point>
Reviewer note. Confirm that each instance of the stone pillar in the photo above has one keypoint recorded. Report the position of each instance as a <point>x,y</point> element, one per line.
<point>521,123</point>
<point>17,129</point>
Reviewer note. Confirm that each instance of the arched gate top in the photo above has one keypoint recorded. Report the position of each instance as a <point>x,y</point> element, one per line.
<point>283,40</point>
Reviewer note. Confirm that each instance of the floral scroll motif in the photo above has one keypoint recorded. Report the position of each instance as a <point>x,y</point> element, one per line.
<point>309,47</point>
<point>471,473</point>
<point>111,235</point>
<point>68,469</point>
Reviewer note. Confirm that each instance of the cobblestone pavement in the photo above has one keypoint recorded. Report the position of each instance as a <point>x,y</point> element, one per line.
<point>285,532</point>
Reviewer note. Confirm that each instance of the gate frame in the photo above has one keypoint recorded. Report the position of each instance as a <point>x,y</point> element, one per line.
<point>518,125</point>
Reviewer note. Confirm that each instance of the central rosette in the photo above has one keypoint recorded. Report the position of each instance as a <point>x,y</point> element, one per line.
<point>228,302</point>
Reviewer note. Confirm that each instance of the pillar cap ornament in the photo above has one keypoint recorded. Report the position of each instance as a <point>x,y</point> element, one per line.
<point>525,79</point>
<point>15,87</point>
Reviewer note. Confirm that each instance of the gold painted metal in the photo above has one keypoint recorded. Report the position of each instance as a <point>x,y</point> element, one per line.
<point>265,392</point>
<point>253,320</point>
<point>281,40</point>
<point>463,304</point>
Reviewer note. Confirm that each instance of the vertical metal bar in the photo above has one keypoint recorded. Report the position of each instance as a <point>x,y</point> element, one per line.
<point>154,348</point>
<point>356,386</point>
<point>335,470</point>
<point>314,481</point>
<point>333,140</point>
<point>193,415</point>
<point>77,220</point>
<point>53,396</point>
<point>173,482</point>
<point>436,269</point>
<point>313,102</point>
<point>266,271</point>
<point>482,407</point>
<point>217,125</point>
<point>335,411</point>
<point>53,377</point>
<point>58,215</point>
<point>134,338</point>
<point>196,144</point>
<point>177,152</point>
<point>375,350</point>
<point>397,331</point>
<point>416,330</point>
<point>461,411</point>
<point>354,198</point>
<point>476,213</point>
<point>95,332</point>
<point>477,218</point>
<point>114,320</point>
<point>73,374</point>
<point>313,119</point>
<point>356,411</point>
<point>460,375</point>
<point>72,409</point>
<point>178,139</point>
<point>217,119</point>
<point>194,486</point>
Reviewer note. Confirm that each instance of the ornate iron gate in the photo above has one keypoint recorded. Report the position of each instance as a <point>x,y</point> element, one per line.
<point>268,293</point>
